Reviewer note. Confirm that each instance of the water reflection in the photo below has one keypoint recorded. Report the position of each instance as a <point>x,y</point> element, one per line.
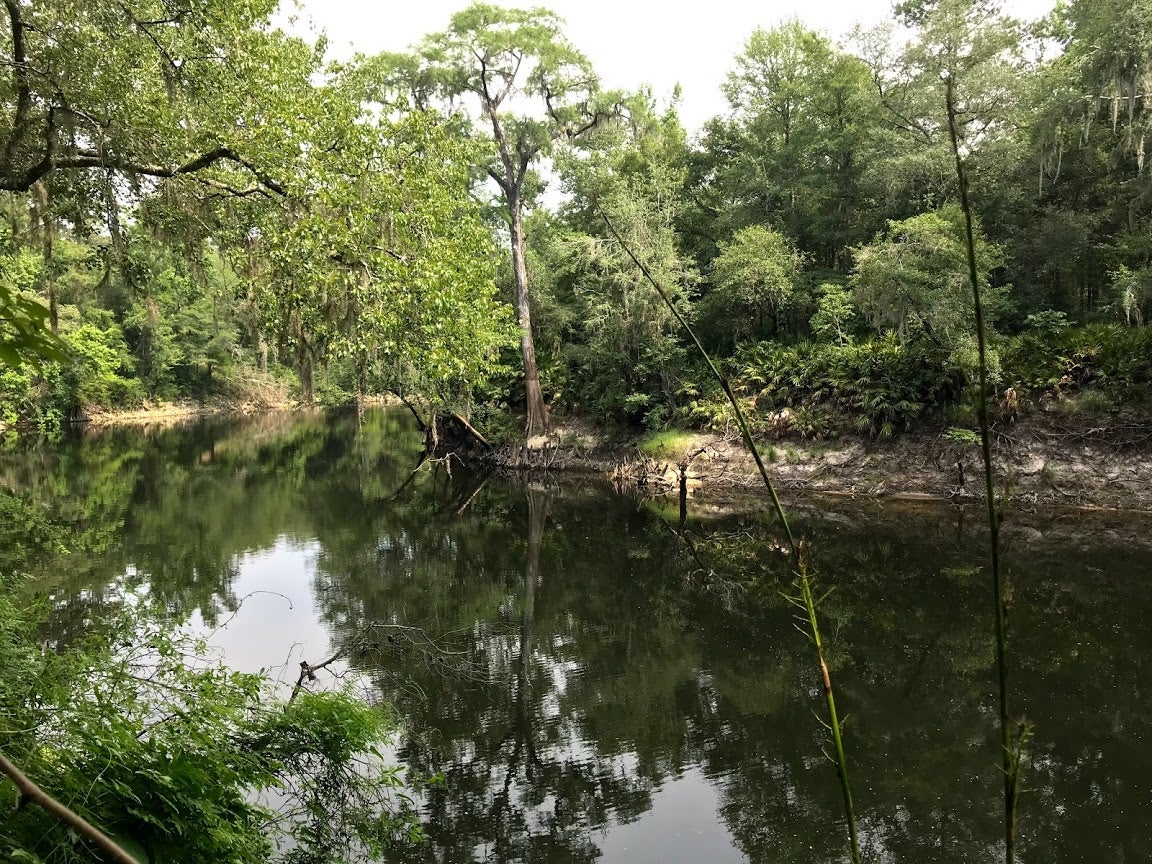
<point>616,699</point>
<point>277,622</point>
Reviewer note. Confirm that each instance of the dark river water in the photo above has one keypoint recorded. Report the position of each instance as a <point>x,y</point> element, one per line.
<point>595,688</point>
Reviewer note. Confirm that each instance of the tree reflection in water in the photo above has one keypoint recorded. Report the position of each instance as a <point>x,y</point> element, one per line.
<point>607,678</point>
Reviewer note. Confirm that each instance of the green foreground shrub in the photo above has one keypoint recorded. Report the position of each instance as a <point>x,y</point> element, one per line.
<point>177,757</point>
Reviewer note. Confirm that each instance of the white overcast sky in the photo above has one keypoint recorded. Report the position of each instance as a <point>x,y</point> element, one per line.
<point>629,43</point>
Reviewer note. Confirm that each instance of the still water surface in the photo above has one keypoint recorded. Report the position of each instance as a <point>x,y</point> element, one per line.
<point>616,698</point>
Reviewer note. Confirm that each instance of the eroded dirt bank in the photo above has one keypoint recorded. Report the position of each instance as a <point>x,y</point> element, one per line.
<point>1038,462</point>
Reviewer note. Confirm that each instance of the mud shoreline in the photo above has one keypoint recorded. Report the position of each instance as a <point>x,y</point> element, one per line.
<point>1038,464</point>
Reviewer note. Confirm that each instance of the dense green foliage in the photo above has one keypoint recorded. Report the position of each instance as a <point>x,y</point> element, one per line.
<point>817,237</point>
<point>188,242</point>
<point>206,207</point>
<point>884,384</point>
<point>1114,358</point>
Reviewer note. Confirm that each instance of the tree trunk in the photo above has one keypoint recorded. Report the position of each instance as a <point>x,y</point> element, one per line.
<point>537,423</point>
<point>14,223</point>
<point>306,375</point>
<point>44,211</point>
<point>361,384</point>
<point>53,302</point>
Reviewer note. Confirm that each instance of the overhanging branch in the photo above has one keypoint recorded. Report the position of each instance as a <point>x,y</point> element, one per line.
<point>86,159</point>
<point>73,820</point>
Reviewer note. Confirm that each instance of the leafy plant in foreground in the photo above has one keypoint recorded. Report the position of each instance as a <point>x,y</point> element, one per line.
<point>1012,744</point>
<point>179,757</point>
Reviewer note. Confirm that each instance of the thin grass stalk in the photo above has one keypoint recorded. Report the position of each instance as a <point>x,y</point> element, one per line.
<point>834,724</point>
<point>797,549</point>
<point>1010,755</point>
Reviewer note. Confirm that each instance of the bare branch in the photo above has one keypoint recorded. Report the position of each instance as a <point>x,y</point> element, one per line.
<point>143,27</point>
<point>69,817</point>
<point>500,181</point>
<point>232,191</point>
<point>436,650</point>
<point>598,117</point>
<point>308,672</point>
<point>510,81</point>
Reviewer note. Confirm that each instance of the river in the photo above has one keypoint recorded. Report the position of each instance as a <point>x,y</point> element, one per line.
<point>592,687</point>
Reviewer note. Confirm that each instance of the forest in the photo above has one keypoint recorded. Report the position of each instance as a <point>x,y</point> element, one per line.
<point>200,206</point>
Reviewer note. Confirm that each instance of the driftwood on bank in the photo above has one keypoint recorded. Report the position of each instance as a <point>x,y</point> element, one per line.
<point>449,433</point>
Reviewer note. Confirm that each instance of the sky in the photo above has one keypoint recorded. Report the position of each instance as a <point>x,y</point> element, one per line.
<point>629,43</point>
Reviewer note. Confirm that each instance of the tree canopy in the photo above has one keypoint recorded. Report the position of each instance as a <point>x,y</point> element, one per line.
<point>147,89</point>
<point>499,57</point>
<point>232,193</point>
<point>207,206</point>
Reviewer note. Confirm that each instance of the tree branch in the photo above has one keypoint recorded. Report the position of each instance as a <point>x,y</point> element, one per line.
<point>510,81</point>
<point>489,102</point>
<point>69,817</point>
<point>23,89</point>
<point>84,159</point>
<point>226,190</point>
<point>308,672</point>
<point>419,420</point>
<point>527,154</point>
<point>500,181</point>
<point>597,118</point>
<point>143,27</point>
<point>398,636</point>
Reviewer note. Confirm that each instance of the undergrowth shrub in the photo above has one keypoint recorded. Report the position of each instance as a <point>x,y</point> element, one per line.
<point>99,374</point>
<point>1114,357</point>
<point>640,389</point>
<point>879,386</point>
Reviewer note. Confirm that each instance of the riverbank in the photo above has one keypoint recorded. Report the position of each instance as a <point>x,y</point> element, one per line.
<point>184,410</point>
<point>1040,461</point>
<point>180,411</point>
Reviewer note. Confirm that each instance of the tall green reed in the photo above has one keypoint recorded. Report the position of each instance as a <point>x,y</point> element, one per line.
<point>1012,745</point>
<point>798,549</point>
